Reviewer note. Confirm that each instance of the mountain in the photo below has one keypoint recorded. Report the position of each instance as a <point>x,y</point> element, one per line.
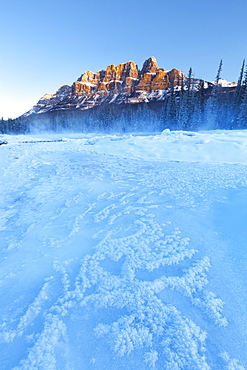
<point>125,98</point>
<point>122,83</point>
<point>225,83</point>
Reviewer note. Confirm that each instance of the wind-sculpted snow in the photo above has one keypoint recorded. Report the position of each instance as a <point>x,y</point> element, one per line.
<point>110,262</point>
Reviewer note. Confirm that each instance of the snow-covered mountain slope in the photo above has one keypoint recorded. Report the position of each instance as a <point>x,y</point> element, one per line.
<point>124,252</point>
<point>225,83</point>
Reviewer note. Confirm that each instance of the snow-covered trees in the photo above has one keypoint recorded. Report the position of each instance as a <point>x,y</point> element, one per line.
<point>207,105</point>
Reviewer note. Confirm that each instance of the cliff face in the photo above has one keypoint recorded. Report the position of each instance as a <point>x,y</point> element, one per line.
<point>123,83</point>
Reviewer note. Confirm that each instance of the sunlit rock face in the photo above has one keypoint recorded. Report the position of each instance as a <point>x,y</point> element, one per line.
<point>122,83</point>
<point>150,66</point>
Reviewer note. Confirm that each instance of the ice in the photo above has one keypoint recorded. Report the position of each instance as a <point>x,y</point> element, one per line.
<point>124,251</point>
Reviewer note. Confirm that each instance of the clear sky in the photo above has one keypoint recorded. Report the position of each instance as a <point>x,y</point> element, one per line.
<point>48,43</point>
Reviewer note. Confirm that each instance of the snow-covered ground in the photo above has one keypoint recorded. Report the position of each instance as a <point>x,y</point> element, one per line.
<point>124,252</point>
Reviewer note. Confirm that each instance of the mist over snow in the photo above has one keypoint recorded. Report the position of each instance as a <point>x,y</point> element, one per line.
<point>123,251</point>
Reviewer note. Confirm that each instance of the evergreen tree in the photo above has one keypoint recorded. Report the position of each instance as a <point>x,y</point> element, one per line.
<point>187,103</point>
<point>237,98</point>
<point>197,119</point>
<point>171,110</point>
<point>242,116</point>
<point>193,105</point>
<point>2,126</point>
<point>183,107</point>
<point>240,80</point>
<point>217,78</point>
<point>214,112</point>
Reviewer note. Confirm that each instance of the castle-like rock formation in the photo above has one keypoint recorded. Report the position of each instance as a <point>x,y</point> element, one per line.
<point>123,83</point>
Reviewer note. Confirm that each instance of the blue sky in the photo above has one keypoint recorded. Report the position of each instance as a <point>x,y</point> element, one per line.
<point>48,43</point>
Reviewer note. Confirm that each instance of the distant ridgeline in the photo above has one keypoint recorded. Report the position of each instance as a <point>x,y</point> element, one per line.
<point>123,98</point>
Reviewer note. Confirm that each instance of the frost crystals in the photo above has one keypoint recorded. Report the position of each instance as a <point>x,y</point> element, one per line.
<point>147,321</point>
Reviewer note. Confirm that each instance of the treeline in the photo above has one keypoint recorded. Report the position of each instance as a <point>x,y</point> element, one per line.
<point>14,126</point>
<point>213,107</point>
<point>193,105</point>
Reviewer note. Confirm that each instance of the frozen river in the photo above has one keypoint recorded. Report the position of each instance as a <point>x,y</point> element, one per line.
<point>124,252</point>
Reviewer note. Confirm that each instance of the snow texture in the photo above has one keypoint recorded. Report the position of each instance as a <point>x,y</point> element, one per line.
<point>124,252</point>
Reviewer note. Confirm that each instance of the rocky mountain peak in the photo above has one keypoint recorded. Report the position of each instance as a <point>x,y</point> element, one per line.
<point>150,66</point>
<point>122,83</point>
